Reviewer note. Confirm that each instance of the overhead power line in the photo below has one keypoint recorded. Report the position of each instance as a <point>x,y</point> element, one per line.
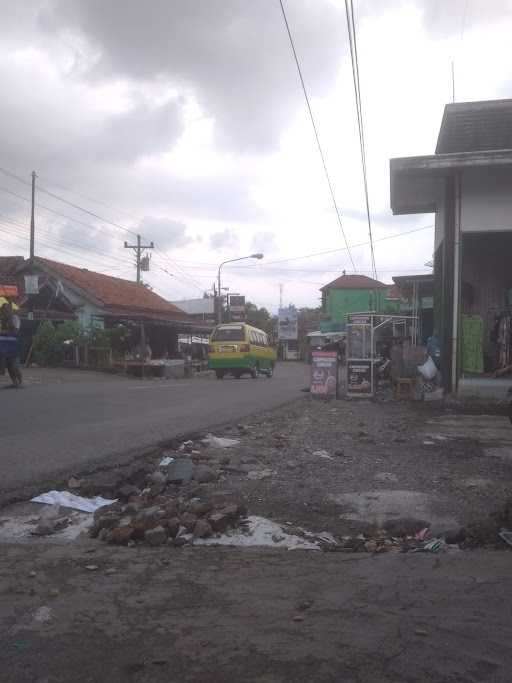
<point>184,277</point>
<point>351,27</point>
<point>327,176</point>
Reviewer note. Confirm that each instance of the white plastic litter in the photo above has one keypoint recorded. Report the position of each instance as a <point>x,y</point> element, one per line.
<point>260,532</point>
<point>220,442</point>
<point>323,454</point>
<point>70,500</point>
<point>259,474</point>
<point>164,462</point>
<point>428,370</point>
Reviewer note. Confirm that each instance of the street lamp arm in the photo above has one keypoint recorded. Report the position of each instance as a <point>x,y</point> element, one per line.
<point>231,260</point>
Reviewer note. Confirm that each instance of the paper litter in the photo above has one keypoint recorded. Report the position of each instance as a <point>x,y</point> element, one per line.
<point>260,532</point>
<point>219,441</point>
<point>164,462</point>
<point>70,500</point>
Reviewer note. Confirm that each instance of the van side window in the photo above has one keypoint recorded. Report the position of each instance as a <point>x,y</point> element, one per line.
<point>265,340</point>
<point>252,337</point>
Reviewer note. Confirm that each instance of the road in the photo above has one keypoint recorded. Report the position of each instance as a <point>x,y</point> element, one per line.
<point>64,420</point>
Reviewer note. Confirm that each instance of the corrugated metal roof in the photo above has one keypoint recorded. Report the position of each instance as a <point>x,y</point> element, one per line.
<point>476,127</point>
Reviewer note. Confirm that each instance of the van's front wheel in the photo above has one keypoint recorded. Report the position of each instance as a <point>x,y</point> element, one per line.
<point>219,374</point>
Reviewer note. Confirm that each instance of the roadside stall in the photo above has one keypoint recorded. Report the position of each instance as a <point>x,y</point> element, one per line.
<point>371,339</point>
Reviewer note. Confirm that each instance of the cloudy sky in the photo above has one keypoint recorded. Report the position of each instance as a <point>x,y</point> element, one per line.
<point>184,120</point>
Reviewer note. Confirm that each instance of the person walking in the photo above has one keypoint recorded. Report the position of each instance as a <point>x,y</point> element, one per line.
<point>10,327</point>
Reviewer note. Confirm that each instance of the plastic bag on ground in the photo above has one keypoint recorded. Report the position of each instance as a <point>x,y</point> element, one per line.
<point>428,370</point>
<point>70,500</point>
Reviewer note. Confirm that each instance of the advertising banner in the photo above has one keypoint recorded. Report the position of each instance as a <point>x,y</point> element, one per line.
<point>324,373</point>
<point>237,308</point>
<point>287,324</point>
<point>359,377</point>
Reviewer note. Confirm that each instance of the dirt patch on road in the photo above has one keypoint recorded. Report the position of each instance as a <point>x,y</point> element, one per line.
<point>347,468</point>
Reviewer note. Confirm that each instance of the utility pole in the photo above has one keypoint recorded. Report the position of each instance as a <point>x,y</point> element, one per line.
<point>280,296</point>
<point>32,219</point>
<point>139,248</point>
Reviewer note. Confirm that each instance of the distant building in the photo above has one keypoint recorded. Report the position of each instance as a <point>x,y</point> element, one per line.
<point>198,309</point>
<point>353,294</point>
<point>50,290</point>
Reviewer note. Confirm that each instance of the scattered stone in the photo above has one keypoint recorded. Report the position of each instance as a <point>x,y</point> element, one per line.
<point>32,575</point>
<point>298,617</point>
<point>202,529</point>
<point>156,536</point>
<point>54,592</point>
<point>121,535</point>
<point>127,491</point>
<point>259,474</point>
<point>224,518</point>
<point>111,570</point>
<point>421,632</point>
<point>173,526</point>
<point>304,605</point>
<point>188,520</point>
<point>74,483</point>
<point>91,567</point>
<point>454,536</point>
<point>153,513</point>
<point>45,527</point>
<point>179,541</point>
<point>204,474</point>
<point>180,471</point>
<point>200,508</point>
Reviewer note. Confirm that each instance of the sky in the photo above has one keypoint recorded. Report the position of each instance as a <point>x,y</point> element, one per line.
<point>184,121</point>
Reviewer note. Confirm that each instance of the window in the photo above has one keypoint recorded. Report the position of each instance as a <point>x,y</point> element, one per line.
<point>224,334</point>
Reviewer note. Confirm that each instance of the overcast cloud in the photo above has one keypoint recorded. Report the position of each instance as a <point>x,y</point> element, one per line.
<point>184,120</point>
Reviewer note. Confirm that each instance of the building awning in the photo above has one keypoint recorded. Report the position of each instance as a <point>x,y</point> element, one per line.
<point>417,183</point>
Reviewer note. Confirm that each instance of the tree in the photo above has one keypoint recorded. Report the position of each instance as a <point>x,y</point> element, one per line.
<point>260,317</point>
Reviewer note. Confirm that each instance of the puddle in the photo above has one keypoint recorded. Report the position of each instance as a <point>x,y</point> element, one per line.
<point>380,507</point>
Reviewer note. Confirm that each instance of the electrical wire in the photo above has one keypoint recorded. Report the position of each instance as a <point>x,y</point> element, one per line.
<point>351,27</point>
<point>327,176</point>
<point>94,215</point>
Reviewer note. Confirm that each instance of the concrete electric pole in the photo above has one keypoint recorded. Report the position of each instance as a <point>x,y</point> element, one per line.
<point>139,248</point>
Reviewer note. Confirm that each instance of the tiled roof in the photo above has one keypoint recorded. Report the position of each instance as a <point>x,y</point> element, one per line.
<point>354,282</point>
<point>476,127</point>
<point>113,293</point>
<point>10,264</point>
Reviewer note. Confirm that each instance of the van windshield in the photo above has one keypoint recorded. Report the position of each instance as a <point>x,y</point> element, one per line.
<point>229,334</point>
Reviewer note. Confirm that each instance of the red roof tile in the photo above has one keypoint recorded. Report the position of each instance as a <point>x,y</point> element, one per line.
<point>354,282</point>
<point>114,292</point>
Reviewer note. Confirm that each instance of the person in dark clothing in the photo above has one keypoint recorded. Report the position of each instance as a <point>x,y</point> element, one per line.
<point>10,327</point>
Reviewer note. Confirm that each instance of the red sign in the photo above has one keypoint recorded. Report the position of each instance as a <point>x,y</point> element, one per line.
<point>324,373</point>
<point>8,290</point>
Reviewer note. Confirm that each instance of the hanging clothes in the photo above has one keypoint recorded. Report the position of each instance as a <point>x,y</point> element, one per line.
<point>472,338</point>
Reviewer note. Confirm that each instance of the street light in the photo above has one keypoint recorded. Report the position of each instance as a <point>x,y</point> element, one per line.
<point>241,258</point>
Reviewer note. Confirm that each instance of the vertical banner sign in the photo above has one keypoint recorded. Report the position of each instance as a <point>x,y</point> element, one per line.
<point>236,308</point>
<point>324,373</point>
<point>287,324</point>
<point>359,377</point>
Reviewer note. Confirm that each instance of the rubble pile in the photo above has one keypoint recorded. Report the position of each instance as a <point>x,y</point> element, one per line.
<point>176,503</point>
<point>421,541</point>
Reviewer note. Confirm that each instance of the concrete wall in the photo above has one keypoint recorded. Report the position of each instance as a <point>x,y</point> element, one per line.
<point>339,302</point>
<point>87,311</point>
<point>486,200</point>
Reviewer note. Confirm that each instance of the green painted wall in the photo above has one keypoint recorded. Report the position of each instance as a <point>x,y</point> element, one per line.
<point>339,302</point>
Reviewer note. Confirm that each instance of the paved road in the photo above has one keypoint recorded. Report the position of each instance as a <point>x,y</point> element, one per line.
<point>63,420</point>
